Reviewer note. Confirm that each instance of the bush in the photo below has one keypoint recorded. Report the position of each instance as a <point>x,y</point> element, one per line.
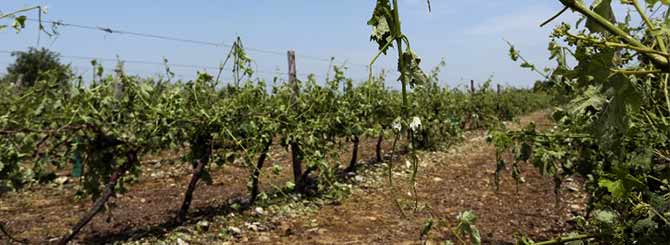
<point>34,65</point>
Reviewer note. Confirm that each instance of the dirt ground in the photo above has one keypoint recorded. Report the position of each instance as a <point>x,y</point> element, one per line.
<point>448,183</point>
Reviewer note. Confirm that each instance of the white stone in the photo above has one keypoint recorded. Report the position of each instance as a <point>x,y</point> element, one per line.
<point>259,211</point>
<point>234,230</point>
<point>181,242</point>
<point>62,180</point>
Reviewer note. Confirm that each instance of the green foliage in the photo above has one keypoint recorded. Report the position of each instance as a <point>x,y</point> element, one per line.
<point>413,73</point>
<point>37,64</point>
<point>427,226</point>
<point>47,124</point>
<point>19,21</point>
<point>612,128</point>
<point>384,25</point>
<point>466,226</point>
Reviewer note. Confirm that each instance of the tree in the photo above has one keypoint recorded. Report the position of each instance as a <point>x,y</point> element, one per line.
<point>36,64</point>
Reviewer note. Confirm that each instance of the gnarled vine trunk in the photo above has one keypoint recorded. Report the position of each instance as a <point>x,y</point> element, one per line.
<point>200,152</point>
<point>131,160</point>
<point>257,172</point>
<point>296,159</point>
<point>354,155</point>
<point>378,148</point>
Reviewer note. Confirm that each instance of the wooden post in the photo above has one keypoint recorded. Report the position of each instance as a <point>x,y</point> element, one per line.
<point>118,79</point>
<point>469,120</point>
<point>500,114</point>
<point>472,86</point>
<point>236,60</point>
<point>296,156</point>
<point>19,81</point>
<point>292,74</point>
<point>94,72</point>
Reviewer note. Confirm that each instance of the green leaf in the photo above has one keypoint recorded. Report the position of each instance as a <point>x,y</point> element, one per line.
<point>592,97</point>
<point>625,103</point>
<point>653,2</point>
<point>383,25</point>
<point>466,225</point>
<point>606,217</point>
<point>276,169</point>
<point>475,236</point>
<point>604,9</point>
<point>593,65</point>
<point>616,188</point>
<point>19,23</point>
<point>467,217</point>
<point>414,75</point>
<point>290,185</point>
<point>645,225</point>
<point>426,228</point>
<point>527,65</point>
<point>513,53</point>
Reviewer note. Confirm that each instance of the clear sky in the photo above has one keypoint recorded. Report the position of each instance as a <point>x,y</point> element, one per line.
<point>467,34</point>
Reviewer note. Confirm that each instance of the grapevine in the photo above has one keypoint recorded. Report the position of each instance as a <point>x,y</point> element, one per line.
<point>612,127</point>
<point>108,126</point>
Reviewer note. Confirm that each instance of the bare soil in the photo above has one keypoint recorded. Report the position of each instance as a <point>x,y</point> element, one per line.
<point>448,183</point>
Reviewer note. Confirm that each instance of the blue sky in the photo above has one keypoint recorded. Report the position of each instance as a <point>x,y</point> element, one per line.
<point>467,34</point>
